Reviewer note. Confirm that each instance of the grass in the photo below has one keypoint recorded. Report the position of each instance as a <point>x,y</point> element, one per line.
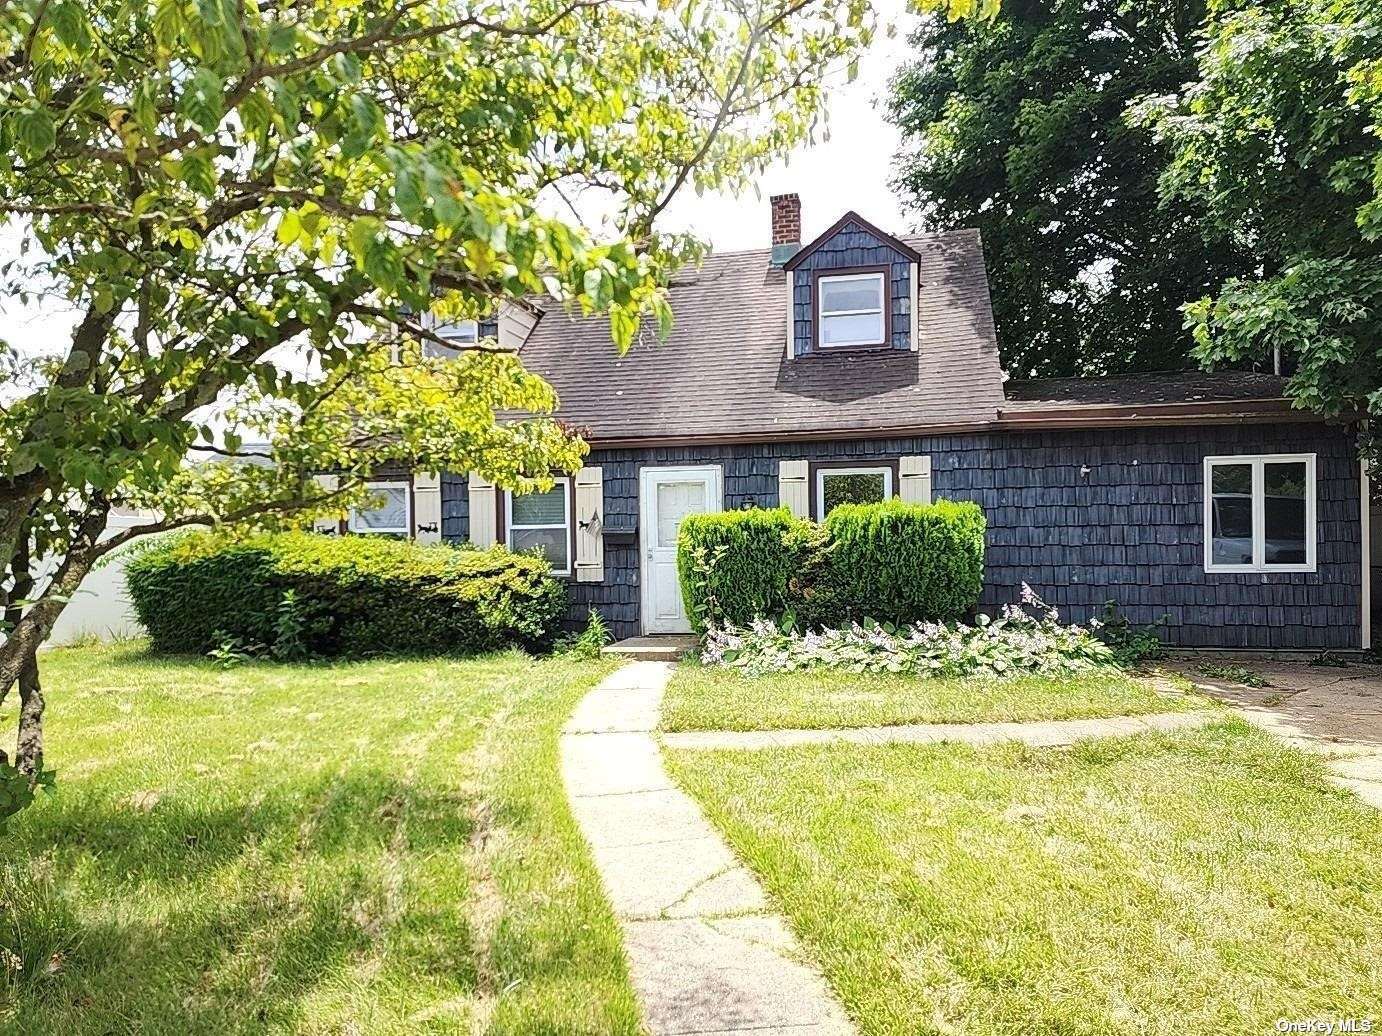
<point>1233,672</point>
<point>1205,881</point>
<point>720,698</point>
<point>379,847</point>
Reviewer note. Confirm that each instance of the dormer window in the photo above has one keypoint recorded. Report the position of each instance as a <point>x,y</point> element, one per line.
<point>851,308</point>
<point>459,334</point>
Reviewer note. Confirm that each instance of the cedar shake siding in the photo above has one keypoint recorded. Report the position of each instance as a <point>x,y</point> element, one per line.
<point>852,247</point>
<point>1130,530</point>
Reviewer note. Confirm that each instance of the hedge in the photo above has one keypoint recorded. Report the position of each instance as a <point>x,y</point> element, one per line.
<point>893,562</point>
<point>302,593</point>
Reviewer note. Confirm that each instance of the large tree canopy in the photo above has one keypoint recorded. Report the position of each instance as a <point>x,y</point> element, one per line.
<point>248,205</point>
<point>1018,129</point>
<point>1279,140</point>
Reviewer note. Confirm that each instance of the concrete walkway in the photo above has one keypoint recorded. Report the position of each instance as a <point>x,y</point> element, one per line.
<point>706,954</point>
<point>1046,733</point>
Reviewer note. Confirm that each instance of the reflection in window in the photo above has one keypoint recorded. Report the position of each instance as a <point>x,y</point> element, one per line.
<point>836,486</point>
<point>457,334</point>
<point>1261,513</point>
<point>1283,499</point>
<point>540,522</point>
<point>386,512</point>
<point>1232,519</point>
<point>851,310</point>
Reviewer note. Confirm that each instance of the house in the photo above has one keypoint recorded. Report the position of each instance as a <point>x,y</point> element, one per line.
<point>863,365</point>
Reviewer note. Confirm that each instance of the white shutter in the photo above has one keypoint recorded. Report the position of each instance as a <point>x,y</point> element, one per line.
<point>427,507</point>
<point>589,517</point>
<point>328,524</point>
<point>915,475</point>
<point>794,487</point>
<point>484,516</point>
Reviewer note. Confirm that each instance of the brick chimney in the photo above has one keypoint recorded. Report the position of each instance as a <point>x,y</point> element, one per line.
<point>786,209</point>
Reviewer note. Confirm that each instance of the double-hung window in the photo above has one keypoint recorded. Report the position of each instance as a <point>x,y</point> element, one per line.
<point>1260,513</point>
<point>836,486</point>
<point>387,512</point>
<point>542,522</point>
<point>850,310</point>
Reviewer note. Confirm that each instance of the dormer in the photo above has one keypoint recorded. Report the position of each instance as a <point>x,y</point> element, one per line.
<point>851,289</point>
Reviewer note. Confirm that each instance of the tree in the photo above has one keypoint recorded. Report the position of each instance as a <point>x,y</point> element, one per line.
<point>248,205</point>
<point>1018,129</point>
<point>1278,140</point>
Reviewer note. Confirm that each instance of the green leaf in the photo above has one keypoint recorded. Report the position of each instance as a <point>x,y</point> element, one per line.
<point>202,101</point>
<point>36,131</point>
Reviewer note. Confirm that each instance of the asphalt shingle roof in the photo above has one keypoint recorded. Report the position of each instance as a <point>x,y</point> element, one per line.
<point>723,372</point>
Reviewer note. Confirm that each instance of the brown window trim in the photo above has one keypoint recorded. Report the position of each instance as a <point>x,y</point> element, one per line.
<point>831,465</point>
<point>846,271</point>
<point>501,522</point>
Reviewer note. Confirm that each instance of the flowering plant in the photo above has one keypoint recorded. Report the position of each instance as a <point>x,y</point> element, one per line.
<point>1027,638</point>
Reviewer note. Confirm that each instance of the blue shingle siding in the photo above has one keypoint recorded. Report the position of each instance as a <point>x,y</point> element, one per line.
<point>455,508</point>
<point>852,246</point>
<point>1129,530</point>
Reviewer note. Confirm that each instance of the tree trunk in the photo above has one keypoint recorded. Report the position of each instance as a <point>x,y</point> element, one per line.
<point>28,755</point>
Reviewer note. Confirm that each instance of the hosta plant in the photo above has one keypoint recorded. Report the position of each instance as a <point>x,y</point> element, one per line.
<point>1025,639</point>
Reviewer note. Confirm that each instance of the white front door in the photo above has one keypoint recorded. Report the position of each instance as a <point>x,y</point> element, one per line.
<point>669,495</point>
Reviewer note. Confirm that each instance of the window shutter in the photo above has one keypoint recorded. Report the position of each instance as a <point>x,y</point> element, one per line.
<point>484,516</point>
<point>330,525</point>
<point>794,487</point>
<point>427,507</point>
<point>589,516</point>
<point>915,475</point>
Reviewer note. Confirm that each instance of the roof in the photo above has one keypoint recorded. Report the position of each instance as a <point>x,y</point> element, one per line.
<point>723,373</point>
<point>1176,387</point>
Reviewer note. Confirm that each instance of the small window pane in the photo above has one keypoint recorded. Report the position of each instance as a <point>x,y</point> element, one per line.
<point>547,508</point>
<point>1283,488</point>
<point>1231,485</point>
<point>390,515</point>
<point>462,331</point>
<point>675,500</point>
<point>853,293</point>
<point>550,543</point>
<point>869,487</point>
<point>851,330</point>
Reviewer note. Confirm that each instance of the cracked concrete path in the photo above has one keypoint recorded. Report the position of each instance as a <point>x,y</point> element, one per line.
<point>706,953</point>
<point>1041,734</point>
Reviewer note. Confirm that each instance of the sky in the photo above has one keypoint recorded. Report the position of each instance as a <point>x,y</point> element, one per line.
<point>847,168</point>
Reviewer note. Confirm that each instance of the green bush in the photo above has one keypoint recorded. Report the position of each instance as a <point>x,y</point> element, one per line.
<point>300,594</point>
<point>734,565</point>
<point>893,562</point>
<point>899,562</point>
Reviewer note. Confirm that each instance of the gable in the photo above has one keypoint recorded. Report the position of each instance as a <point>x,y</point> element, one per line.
<point>852,245</point>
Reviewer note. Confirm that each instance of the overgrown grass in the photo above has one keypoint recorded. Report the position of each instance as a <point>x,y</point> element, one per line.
<point>378,847</point>
<point>722,698</point>
<point>1206,881</point>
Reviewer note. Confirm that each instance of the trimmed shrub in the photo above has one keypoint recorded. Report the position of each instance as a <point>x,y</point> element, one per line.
<point>735,565</point>
<point>893,562</point>
<point>899,562</point>
<point>340,596</point>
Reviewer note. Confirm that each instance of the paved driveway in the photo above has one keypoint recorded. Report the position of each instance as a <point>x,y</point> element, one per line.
<point>1334,711</point>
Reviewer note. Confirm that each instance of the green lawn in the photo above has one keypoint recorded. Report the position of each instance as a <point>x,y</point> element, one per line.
<point>378,847</point>
<point>1206,881</point>
<point>719,698</point>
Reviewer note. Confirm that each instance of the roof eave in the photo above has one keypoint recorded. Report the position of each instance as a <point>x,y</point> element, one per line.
<point>820,239</point>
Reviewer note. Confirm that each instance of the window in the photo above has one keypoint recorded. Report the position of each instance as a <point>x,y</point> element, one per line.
<point>389,511</point>
<point>1260,513</point>
<point>835,486</point>
<point>850,310</point>
<point>461,333</point>
<point>542,522</point>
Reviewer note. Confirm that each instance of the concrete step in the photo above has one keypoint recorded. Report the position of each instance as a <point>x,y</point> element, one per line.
<point>669,647</point>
